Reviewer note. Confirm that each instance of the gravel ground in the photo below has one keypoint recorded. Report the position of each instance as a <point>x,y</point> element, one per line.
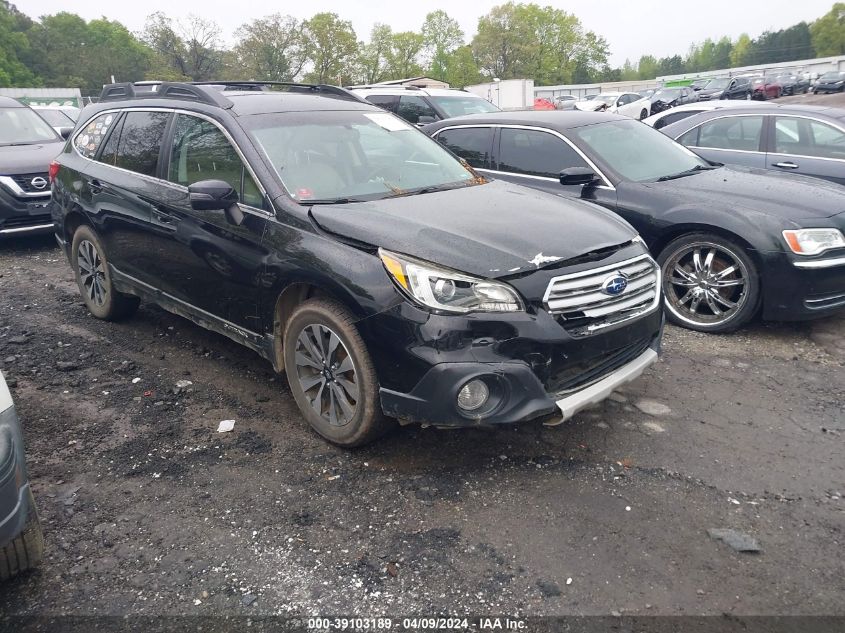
<point>148,510</point>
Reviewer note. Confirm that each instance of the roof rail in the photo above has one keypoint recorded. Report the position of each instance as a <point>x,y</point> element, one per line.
<point>388,87</point>
<point>292,86</point>
<point>164,90</point>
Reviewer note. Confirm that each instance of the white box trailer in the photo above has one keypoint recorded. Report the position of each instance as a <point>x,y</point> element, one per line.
<point>511,94</point>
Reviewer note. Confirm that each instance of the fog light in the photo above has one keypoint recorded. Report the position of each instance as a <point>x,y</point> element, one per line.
<point>473,395</point>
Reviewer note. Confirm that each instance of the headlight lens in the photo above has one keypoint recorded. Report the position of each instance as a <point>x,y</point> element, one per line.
<point>814,241</point>
<point>446,290</point>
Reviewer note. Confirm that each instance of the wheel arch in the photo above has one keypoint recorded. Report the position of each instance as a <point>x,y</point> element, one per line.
<point>677,230</point>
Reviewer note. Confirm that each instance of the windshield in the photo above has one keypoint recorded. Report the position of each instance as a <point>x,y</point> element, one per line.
<point>637,152</point>
<point>22,126</point>
<point>608,99</point>
<point>717,84</point>
<point>670,94</point>
<point>832,76</point>
<point>459,106</point>
<point>56,118</point>
<point>349,156</point>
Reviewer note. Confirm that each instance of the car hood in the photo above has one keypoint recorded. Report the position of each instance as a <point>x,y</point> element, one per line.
<point>590,106</point>
<point>28,159</point>
<point>492,230</point>
<point>786,196</point>
<point>710,91</point>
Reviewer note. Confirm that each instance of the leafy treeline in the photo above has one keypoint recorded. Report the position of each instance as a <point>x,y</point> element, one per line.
<point>512,41</point>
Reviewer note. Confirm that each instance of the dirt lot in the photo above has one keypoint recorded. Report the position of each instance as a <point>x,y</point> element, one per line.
<point>148,510</point>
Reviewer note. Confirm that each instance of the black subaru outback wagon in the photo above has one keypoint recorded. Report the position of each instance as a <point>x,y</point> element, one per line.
<point>382,274</point>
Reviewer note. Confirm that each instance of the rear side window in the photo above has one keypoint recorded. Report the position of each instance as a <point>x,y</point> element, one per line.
<point>108,154</point>
<point>805,137</point>
<point>202,152</point>
<point>388,102</point>
<point>536,153</point>
<point>473,144</point>
<point>140,141</point>
<point>89,139</point>
<point>732,133</point>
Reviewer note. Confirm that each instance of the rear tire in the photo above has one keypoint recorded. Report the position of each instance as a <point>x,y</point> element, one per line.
<point>27,549</point>
<point>93,276</point>
<point>643,114</point>
<point>331,375</point>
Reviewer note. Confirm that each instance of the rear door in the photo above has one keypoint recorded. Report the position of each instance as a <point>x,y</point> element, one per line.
<point>212,264</point>
<point>473,144</point>
<point>737,140</point>
<point>119,186</point>
<point>807,146</point>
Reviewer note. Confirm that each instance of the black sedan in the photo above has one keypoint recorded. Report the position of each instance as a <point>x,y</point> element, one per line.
<point>732,241</point>
<point>833,81</point>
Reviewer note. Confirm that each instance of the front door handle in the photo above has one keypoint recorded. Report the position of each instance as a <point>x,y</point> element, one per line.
<point>786,165</point>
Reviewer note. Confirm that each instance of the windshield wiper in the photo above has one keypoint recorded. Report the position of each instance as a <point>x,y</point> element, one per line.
<point>688,172</point>
<point>332,201</point>
<point>432,189</point>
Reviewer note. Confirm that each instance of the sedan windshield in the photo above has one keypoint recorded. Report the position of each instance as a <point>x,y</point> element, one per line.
<point>56,118</point>
<point>351,156</point>
<point>637,152</point>
<point>459,106</point>
<point>608,99</point>
<point>717,84</point>
<point>21,126</point>
<point>832,76</point>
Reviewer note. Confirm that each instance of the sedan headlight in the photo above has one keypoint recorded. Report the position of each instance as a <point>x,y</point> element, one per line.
<point>813,241</point>
<point>447,290</point>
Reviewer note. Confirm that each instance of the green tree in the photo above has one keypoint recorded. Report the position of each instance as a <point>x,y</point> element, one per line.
<point>15,50</point>
<point>270,49</point>
<point>741,51</point>
<point>403,55</point>
<point>462,69</point>
<point>332,48</point>
<point>646,69</point>
<point>828,32</point>
<point>372,58</point>
<point>442,35</point>
<point>183,50</point>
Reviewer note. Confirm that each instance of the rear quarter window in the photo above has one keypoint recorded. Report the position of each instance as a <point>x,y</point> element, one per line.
<point>89,138</point>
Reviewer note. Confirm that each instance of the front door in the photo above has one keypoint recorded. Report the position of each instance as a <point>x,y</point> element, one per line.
<point>214,265</point>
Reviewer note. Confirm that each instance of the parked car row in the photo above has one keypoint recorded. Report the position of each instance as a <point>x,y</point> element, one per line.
<point>514,269</point>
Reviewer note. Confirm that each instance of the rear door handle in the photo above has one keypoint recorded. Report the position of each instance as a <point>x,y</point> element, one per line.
<point>97,186</point>
<point>786,165</point>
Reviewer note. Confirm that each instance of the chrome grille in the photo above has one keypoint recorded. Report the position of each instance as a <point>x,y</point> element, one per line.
<point>580,301</point>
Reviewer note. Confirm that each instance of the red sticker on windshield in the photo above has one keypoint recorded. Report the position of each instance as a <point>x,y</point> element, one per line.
<point>304,193</point>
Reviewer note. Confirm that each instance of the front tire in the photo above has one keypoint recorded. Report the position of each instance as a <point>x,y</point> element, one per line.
<point>26,550</point>
<point>331,375</point>
<point>93,276</point>
<point>643,114</point>
<point>710,283</point>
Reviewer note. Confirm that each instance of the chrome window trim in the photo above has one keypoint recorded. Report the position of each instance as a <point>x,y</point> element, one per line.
<point>12,186</point>
<point>535,128</point>
<point>153,179</point>
<point>782,116</point>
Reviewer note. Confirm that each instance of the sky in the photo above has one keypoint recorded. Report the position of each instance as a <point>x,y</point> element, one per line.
<point>631,27</point>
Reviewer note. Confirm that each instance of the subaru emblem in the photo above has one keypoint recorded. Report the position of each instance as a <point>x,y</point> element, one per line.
<point>38,182</point>
<point>614,285</point>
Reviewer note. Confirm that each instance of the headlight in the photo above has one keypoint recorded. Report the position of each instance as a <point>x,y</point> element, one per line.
<point>813,241</point>
<point>446,290</point>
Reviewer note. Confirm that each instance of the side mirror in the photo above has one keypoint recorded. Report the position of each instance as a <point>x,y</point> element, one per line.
<point>573,176</point>
<point>64,132</point>
<point>212,195</point>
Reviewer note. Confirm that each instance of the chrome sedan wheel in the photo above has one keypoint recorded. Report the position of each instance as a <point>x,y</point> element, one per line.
<point>705,283</point>
<point>326,374</point>
<point>91,272</point>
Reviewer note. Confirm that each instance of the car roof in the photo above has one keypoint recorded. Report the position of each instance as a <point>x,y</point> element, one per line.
<point>8,102</point>
<point>410,90</point>
<point>554,119</point>
<point>251,102</point>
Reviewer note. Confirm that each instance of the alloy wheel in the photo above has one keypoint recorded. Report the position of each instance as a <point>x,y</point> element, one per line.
<point>327,374</point>
<point>91,272</point>
<point>705,283</point>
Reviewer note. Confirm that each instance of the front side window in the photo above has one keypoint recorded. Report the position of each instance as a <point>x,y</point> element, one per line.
<point>140,142</point>
<point>89,139</point>
<point>473,144</point>
<point>536,153</point>
<point>21,126</point>
<point>732,133</point>
<point>411,108</point>
<point>202,152</point>
<point>347,156</point>
<point>635,151</point>
<point>388,102</point>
